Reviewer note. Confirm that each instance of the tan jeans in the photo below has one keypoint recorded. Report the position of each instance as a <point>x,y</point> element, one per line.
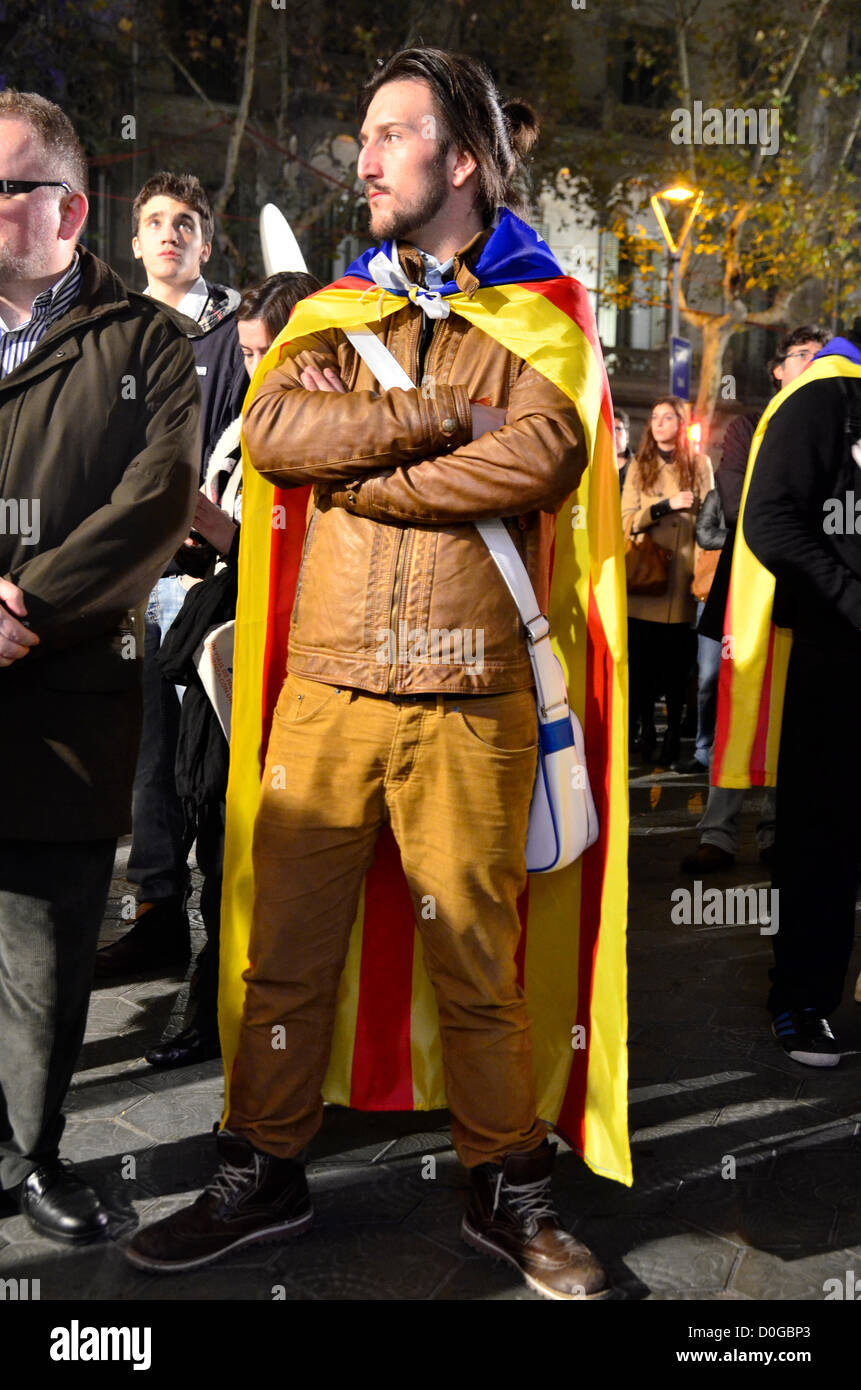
<point>454,777</point>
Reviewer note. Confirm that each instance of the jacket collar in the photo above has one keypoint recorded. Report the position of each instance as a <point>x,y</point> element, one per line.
<point>464,260</point>
<point>100,288</point>
<point>102,293</point>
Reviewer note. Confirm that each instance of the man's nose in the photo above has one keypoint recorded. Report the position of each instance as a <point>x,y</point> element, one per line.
<point>368,166</point>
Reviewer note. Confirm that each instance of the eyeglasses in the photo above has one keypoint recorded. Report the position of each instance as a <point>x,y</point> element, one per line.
<point>806,353</point>
<point>27,185</point>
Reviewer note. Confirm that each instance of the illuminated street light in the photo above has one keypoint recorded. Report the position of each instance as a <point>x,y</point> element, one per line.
<point>676,193</point>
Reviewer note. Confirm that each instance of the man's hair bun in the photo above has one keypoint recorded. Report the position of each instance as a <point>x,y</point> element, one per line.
<point>522,123</point>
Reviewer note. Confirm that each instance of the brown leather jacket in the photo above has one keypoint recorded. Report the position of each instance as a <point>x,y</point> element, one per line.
<point>397,592</point>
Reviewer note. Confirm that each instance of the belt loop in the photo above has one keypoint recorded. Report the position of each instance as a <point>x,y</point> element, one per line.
<point>440,705</point>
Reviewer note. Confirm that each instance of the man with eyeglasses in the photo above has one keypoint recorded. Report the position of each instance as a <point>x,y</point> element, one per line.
<point>99,426</point>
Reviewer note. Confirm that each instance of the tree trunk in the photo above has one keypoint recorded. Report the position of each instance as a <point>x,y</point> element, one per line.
<point>716,334</point>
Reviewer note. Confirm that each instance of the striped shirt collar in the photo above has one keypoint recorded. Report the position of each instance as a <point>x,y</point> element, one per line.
<point>49,298</point>
<point>47,308</point>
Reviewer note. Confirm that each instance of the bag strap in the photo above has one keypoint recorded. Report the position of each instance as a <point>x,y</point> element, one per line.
<point>551,687</point>
<point>511,567</point>
<point>376,355</point>
<point>389,373</point>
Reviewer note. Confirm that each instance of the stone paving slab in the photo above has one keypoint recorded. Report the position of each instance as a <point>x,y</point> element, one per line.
<point>746,1164</point>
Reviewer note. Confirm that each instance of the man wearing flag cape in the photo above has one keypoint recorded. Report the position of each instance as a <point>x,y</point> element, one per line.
<point>788,693</point>
<point>396,957</point>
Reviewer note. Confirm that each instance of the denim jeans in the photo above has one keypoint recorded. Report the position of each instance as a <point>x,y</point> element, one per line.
<point>719,825</point>
<point>708,661</point>
<point>158,861</point>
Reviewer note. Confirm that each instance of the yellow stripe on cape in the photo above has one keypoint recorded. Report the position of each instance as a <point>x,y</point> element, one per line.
<point>749,717</point>
<point>589,568</point>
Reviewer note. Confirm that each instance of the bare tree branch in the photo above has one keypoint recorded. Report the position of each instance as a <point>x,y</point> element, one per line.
<point>682,21</point>
<point>195,86</point>
<point>789,76</point>
<point>225,192</point>
<point>851,134</point>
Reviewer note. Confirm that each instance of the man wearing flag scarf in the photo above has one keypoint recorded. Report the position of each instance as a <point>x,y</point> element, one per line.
<point>399,769</point>
<point>788,696</point>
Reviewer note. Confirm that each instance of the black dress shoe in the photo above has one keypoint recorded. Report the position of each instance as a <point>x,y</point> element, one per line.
<point>669,751</point>
<point>688,766</point>
<point>159,940</point>
<point>59,1204</point>
<point>707,859</point>
<point>191,1045</point>
<point>645,746</point>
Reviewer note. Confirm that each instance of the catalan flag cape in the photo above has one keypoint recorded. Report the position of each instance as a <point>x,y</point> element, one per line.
<point>386,1052</point>
<point>752,681</point>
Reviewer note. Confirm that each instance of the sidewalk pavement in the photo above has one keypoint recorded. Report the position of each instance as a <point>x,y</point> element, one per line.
<point>745,1163</point>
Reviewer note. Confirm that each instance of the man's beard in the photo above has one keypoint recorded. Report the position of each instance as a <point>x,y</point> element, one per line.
<point>401,223</point>
<point>36,262</point>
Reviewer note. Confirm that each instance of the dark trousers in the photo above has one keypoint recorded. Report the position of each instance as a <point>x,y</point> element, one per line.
<point>209,852</point>
<point>818,829</point>
<point>661,657</point>
<point>52,901</point>
<point>160,836</point>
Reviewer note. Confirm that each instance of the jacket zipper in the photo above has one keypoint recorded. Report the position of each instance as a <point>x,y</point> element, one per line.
<point>421,360</point>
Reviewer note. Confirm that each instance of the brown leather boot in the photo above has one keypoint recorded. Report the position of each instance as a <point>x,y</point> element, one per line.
<point>511,1216</point>
<point>253,1197</point>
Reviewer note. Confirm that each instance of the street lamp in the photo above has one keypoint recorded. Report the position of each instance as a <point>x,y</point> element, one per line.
<point>676,193</point>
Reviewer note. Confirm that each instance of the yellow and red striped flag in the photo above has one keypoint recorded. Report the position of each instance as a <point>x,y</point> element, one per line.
<point>755,651</point>
<point>386,1052</point>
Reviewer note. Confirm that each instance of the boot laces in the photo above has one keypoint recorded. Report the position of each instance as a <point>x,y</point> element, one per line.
<point>531,1202</point>
<point>230,1181</point>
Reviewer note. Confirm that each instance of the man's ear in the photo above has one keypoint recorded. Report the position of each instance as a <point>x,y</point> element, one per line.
<point>463,167</point>
<point>73,214</point>
<point>206,252</point>
<point>136,247</point>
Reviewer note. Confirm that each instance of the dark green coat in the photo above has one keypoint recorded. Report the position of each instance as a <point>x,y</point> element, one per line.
<point>100,425</point>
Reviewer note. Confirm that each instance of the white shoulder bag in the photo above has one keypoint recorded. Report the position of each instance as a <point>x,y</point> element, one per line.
<point>563,821</point>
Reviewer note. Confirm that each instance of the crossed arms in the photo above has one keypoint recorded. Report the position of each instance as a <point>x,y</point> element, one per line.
<point>401,455</point>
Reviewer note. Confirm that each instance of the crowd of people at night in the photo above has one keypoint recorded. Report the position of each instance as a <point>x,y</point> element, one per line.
<point>144,421</point>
